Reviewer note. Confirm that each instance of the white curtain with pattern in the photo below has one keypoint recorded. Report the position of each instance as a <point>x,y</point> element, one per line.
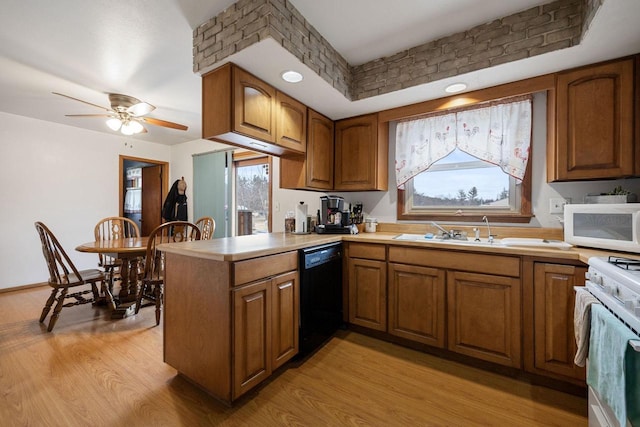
<point>498,133</point>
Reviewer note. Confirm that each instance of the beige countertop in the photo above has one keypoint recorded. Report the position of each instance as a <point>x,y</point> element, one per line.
<point>257,245</point>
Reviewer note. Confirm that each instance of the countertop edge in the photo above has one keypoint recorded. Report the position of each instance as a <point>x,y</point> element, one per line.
<point>246,247</point>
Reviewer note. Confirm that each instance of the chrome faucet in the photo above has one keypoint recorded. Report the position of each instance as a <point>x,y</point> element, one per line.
<point>446,234</point>
<point>450,234</point>
<point>490,236</point>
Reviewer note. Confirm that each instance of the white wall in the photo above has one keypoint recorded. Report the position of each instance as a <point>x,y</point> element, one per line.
<point>63,176</point>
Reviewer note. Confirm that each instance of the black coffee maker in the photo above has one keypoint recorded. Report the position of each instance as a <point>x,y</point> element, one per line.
<point>332,217</point>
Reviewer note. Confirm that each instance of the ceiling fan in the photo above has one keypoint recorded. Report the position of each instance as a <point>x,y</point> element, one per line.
<point>126,114</point>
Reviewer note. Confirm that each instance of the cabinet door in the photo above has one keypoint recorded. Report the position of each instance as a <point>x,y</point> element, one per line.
<point>291,128</point>
<point>254,105</point>
<point>285,300</point>
<point>484,316</point>
<point>368,293</point>
<point>417,303</point>
<point>594,122</point>
<point>315,170</point>
<point>320,151</point>
<point>356,154</point>
<point>554,297</point>
<point>251,336</point>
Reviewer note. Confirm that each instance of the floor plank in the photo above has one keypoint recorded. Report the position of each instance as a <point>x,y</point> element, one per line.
<point>92,370</point>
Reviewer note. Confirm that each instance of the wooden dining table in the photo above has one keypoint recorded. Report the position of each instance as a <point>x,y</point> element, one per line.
<point>130,251</point>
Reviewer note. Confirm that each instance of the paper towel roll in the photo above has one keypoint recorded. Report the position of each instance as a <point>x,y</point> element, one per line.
<point>301,218</point>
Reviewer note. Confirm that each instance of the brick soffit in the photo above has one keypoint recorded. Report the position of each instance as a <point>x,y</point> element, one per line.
<point>535,31</point>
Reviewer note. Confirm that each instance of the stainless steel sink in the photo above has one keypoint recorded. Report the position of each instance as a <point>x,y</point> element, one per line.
<point>470,242</point>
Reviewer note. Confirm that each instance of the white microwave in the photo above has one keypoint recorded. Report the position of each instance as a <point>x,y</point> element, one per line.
<point>614,226</point>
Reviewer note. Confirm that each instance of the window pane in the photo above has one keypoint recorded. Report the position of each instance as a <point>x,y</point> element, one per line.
<point>461,180</point>
<point>252,194</point>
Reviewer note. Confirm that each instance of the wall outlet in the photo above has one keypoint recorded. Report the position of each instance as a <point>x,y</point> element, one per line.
<point>556,205</point>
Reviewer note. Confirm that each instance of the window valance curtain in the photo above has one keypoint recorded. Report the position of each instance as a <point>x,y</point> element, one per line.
<point>497,132</point>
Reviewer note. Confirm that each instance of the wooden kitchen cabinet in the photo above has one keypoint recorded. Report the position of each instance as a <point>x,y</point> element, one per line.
<point>361,154</point>
<point>480,315</point>
<point>552,348</point>
<point>367,269</point>
<point>291,127</point>
<point>265,324</point>
<point>594,120</point>
<point>417,303</point>
<point>315,170</point>
<point>229,325</point>
<point>241,110</point>
<point>252,336</point>
<point>484,316</point>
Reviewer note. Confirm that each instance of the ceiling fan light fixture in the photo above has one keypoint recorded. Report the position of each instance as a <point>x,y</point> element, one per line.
<point>291,76</point>
<point>114,124</point>
<point>131,128</point>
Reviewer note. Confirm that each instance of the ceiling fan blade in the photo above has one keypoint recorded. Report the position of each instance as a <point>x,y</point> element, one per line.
<point>80,100</point>
<point>164,123</point>
<point>90,115</point>
<point>140,109</point>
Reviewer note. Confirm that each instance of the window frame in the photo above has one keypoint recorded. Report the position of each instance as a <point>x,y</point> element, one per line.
<point>523,216</point>
<point>250,158</point>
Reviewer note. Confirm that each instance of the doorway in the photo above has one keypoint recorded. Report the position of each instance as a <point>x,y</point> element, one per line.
<point>143,184</point>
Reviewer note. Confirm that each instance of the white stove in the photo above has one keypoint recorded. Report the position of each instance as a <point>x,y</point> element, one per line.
<point>615,281</point>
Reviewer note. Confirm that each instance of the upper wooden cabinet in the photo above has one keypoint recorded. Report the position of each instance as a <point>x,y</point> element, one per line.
<point>291,126</point>
<point>361,154</point>
<point>240,109</point>
<point>315,172</point>
<point>594,109</point>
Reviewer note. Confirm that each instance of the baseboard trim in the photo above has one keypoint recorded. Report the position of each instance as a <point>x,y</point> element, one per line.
<point>22,287</point>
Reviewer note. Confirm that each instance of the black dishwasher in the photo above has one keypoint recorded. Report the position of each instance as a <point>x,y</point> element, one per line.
<point>320,295</point>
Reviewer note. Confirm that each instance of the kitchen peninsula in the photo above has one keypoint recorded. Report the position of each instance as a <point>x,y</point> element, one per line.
<point>231,304</point>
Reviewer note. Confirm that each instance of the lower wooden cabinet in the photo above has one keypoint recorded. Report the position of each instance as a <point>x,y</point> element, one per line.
<point>367,287</point>
<point>229,325</point>
<point>484,316</point>
<point>265,329</point>
<point>417,303</point>
<point>554,345</point>
<point>251,336</point>
<point>368,293</point>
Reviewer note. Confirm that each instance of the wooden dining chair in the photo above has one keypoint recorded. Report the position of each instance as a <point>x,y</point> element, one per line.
<point>207,226</point>
<point>151,289</point>
<point>63,275</point>
<point>113,228</point>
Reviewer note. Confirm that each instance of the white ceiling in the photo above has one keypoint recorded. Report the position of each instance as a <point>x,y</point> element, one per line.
<point>143,48</point>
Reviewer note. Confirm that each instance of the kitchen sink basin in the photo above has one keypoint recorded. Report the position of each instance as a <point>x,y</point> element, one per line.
<point>506,242</point>
<point>470,242</point>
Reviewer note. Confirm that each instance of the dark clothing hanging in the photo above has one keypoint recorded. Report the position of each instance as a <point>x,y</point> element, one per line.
<point>175,205</point>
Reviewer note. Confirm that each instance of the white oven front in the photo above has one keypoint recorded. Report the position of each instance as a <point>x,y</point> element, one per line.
<point>617,290</point>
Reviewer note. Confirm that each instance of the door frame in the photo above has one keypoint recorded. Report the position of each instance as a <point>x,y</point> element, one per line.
<point>165,177</point>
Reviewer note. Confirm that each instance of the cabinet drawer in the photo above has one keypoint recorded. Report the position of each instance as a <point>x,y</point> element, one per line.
<point>263,267</point>
<point>494,264</point>
<point>367,251</point>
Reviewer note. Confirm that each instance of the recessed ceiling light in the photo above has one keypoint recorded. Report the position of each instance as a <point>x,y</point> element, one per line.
<point>291,76</point>
<point>456,87</point>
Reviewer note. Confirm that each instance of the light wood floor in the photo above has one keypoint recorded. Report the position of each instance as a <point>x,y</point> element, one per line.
<point>92,371</point>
